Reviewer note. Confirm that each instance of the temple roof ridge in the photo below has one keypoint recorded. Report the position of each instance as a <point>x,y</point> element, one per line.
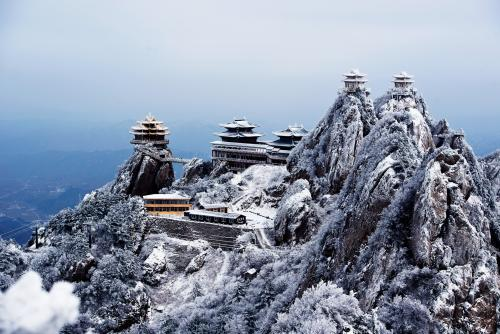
<point>292,131</point>
<point>239,123</point>
<point>403,76</point>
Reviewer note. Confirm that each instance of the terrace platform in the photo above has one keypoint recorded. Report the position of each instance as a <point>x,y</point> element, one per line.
<point>218,235</point>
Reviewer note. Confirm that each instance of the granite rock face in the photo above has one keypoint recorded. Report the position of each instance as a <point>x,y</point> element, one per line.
<point>491,167</point>
<point>414,226</point>
<point>298,216</point>
<point>385,223</point>
<point>326,155</point>
<point>144,174</point>
<point>194,171</point>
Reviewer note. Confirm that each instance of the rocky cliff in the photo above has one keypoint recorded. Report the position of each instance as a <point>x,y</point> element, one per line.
<point>414,225</point>
<point>384,222</point>
<point>326,155</point>
<point>145,172</point>
<point>491,167</point>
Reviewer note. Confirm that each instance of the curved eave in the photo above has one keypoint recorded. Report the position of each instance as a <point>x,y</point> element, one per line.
<point>282,146</point>
<point>159,124</point>
<point>289,134</point>
<point>237,126</point>
<point>361,80</point>
<point>238,135</point>
<point>144,142</point>
<point>137,128</point>
<point>150,133</point>
<point>403,81</point>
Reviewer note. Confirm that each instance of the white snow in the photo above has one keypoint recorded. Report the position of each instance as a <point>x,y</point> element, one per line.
<point>260,176</point>
<point>157,260</point>
<point>27,308</point>
<point>262,238</point>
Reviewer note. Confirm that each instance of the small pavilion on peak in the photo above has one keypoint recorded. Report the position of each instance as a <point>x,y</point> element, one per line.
<point>150,131</point>
<point>353,80</point>
<point>403,85</point>
<point>403,80</point>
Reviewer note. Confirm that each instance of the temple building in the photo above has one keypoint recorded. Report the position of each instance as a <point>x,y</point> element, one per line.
<point>167,204</point>
<point>240,130</point>
<point>280,149</point>
<point>216,217</point>
<point>239,146</point>
<point>354,80</point>
<point>215,207</point>
<point>150,131</point>
<point>403,85</point>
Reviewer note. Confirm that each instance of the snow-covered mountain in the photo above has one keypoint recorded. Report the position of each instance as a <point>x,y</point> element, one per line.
<point>384,222</point>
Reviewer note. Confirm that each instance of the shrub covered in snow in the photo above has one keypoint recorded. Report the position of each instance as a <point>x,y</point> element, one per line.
<point>323,308</point>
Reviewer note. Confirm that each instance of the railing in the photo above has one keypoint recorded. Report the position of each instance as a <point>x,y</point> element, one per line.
<point>240,160</point>
<point>160,158</point>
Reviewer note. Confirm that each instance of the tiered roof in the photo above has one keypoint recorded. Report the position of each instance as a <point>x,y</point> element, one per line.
<point>149,126</point>
<point>297,131</point>
<point>355,75</point>
<point>239,130</point>
<point>149,131</point>
<point>403,78</point>
<point>289,137</point>
<point>239,123</point>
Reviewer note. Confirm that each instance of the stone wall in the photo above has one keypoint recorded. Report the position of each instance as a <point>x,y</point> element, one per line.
<point>218,235</point>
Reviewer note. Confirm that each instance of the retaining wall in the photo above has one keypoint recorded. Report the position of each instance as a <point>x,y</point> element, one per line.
<point>217,235</point>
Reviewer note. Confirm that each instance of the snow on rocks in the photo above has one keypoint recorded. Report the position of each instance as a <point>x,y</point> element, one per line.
<point>491,167</point>
<point>155,264</point>
<point>195,170</point>
<point>254,192</point>
<point>384,221</point>
<point>327,154</point>
<point>196,263</point>
<point>297,217</point>
<point>142,174</point>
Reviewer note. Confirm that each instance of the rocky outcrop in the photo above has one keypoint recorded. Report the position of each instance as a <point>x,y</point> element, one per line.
<point>298,216</point>
<point>389,156</point>
<point>327,154</point>
<point>412,100</point>
<point>194,171</point>
<point>368,162</point>
<point>413,229</point>
<point>144,173</point>
<point>82,270</point>
<point>386,223</point>
<point>491,167</point>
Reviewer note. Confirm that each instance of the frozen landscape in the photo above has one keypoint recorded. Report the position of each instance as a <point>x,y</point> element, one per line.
<point>382,221</point>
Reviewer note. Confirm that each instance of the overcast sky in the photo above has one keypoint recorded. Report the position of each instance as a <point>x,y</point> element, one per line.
<point>275,62</point>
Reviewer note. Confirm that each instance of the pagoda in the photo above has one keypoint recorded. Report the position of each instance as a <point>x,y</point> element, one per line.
<point>289,138</point>
<point>150,131</point>
<point>238,146</point>
<point>354,80</point>
<point>240,131</point>
<point>403,85</point>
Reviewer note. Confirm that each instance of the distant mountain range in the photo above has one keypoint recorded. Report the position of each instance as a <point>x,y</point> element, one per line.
<point>48,165</point>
